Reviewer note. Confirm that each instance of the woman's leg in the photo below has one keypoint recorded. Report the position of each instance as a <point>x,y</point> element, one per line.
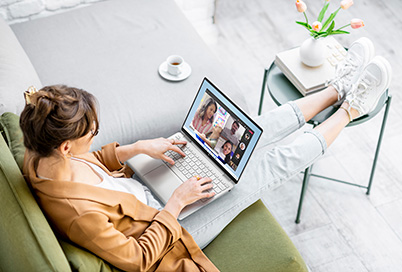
<point>331,128</point>
<point>313,104</point>
<point>286,119</point>
<point>267,169</point>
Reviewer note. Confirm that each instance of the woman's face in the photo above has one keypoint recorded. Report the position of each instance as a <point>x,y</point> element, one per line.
<point>227,148</point>
<point>210,111</point>
<point>82,145</point>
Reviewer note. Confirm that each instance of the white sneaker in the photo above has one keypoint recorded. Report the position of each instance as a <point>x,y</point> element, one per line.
<point>348,70</point>
<point>372,83</point>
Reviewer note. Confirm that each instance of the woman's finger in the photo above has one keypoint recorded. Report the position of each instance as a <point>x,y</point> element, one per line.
<point>167,159</point>
<point>209,195</point>
<point>177,150</point>
<point>204,180</point>
<point>177,142</point>
<point>207,186</point>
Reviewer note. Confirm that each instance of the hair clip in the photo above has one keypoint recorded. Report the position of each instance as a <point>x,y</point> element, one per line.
<point>28,93</point>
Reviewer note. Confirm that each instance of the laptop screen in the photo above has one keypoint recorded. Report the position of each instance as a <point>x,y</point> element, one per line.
<point>221,129</point>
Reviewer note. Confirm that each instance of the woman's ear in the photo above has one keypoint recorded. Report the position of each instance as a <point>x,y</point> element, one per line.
<point>65,147</point>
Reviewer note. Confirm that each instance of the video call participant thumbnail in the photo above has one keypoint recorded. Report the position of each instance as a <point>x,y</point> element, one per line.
<point>230,134</point>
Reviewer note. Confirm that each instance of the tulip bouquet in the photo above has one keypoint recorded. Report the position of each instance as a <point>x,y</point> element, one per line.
<point>320,29</point>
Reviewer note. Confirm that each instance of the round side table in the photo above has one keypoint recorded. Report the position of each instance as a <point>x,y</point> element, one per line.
<point>282,90</point>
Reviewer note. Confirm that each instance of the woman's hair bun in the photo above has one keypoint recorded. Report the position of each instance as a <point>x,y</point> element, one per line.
<point>55,114</point>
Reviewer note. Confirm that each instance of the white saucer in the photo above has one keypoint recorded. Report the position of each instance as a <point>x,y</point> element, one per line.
<point>185,72</point>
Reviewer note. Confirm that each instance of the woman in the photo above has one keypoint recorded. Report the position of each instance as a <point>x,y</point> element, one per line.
<point>59,124</point>
<point>225,151</point>
<point>204,117</point>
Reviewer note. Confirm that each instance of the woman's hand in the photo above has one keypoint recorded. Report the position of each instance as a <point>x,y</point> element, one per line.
<point>188,192</point>
<point>156,148</point>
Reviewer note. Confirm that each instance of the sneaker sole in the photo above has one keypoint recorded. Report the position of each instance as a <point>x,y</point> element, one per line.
<point>388,72</point>
<point>366,42</point>
<point>370,51</point>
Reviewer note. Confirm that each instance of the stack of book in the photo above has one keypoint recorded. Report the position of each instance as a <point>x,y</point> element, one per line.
<point>310,79</point>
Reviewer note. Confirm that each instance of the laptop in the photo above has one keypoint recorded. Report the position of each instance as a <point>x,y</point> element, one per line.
<point>219,149</point>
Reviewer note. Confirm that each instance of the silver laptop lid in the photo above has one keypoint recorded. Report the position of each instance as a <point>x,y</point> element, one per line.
<point>221,129</point>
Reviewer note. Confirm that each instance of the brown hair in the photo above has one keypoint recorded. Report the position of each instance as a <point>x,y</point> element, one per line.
<point>204,109</point>
<point>55,114</point>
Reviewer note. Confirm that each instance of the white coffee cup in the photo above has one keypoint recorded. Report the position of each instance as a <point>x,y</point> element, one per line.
<point>174,65</point>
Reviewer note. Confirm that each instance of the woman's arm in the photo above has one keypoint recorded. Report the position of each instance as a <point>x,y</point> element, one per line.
<point>154,148</point>
<point>95,232</point>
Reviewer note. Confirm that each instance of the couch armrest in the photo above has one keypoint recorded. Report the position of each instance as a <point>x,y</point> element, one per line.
<point>27,241</point>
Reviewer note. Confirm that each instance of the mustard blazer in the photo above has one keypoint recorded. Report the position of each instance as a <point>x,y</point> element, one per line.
<point>115,225</point>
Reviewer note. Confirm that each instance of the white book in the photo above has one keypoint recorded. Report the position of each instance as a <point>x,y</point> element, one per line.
<point>310,79</point>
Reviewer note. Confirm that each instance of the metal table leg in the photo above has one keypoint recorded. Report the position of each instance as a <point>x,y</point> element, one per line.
<point>303,192</point>
<point>384,121</point>
<point>264,81</point>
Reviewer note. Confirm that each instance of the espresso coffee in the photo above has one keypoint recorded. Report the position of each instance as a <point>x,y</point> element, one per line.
<point>174,64</point>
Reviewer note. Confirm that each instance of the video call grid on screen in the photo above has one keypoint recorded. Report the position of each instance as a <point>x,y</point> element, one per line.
<point>225,114</point>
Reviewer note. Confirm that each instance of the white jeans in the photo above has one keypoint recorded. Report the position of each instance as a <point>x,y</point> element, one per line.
<point>267,169</point>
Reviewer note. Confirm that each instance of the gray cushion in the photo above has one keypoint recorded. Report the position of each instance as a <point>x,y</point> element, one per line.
<point>113,49</point>
<point>16,71</point>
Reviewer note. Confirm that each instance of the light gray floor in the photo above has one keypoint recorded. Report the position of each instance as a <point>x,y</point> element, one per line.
<point>342,229</point>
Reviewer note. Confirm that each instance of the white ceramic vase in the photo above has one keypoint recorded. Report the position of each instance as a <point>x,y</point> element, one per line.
<point>312,52</point>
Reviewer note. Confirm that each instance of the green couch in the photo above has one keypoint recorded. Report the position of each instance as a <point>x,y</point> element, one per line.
<point>29,244</point>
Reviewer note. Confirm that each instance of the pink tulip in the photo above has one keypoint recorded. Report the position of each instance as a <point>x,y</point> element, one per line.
<point>356,23</point>
<point>345,4</point>
<point>301,6</point>
<point>316,26</point>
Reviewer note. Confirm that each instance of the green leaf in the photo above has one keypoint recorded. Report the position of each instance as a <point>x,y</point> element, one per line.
<point>304,24</point>
<point>301,23</point>
<point>323,34</point>
<point>330,18</point>
<point>331,26</point>
<point>340,32</point>
<point>322,13</point>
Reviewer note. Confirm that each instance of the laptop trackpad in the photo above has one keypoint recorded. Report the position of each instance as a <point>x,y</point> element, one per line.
<point>143,163</point>
<point>163,182</point>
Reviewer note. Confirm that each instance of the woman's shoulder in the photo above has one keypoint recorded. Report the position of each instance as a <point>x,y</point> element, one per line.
<point>45,169</point>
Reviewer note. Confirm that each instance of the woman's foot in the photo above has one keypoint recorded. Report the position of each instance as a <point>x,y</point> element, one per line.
<point>370,86</point>
<point>347,72</point>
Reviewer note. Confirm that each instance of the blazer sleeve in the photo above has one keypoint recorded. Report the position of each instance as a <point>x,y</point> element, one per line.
<point>95,232</point>
<point>108,157</point>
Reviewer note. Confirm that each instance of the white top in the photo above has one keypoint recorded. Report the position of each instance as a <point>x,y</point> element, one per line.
<point>126,185</point>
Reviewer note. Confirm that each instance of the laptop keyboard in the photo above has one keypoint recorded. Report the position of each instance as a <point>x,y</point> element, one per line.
<point>191,165</point>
